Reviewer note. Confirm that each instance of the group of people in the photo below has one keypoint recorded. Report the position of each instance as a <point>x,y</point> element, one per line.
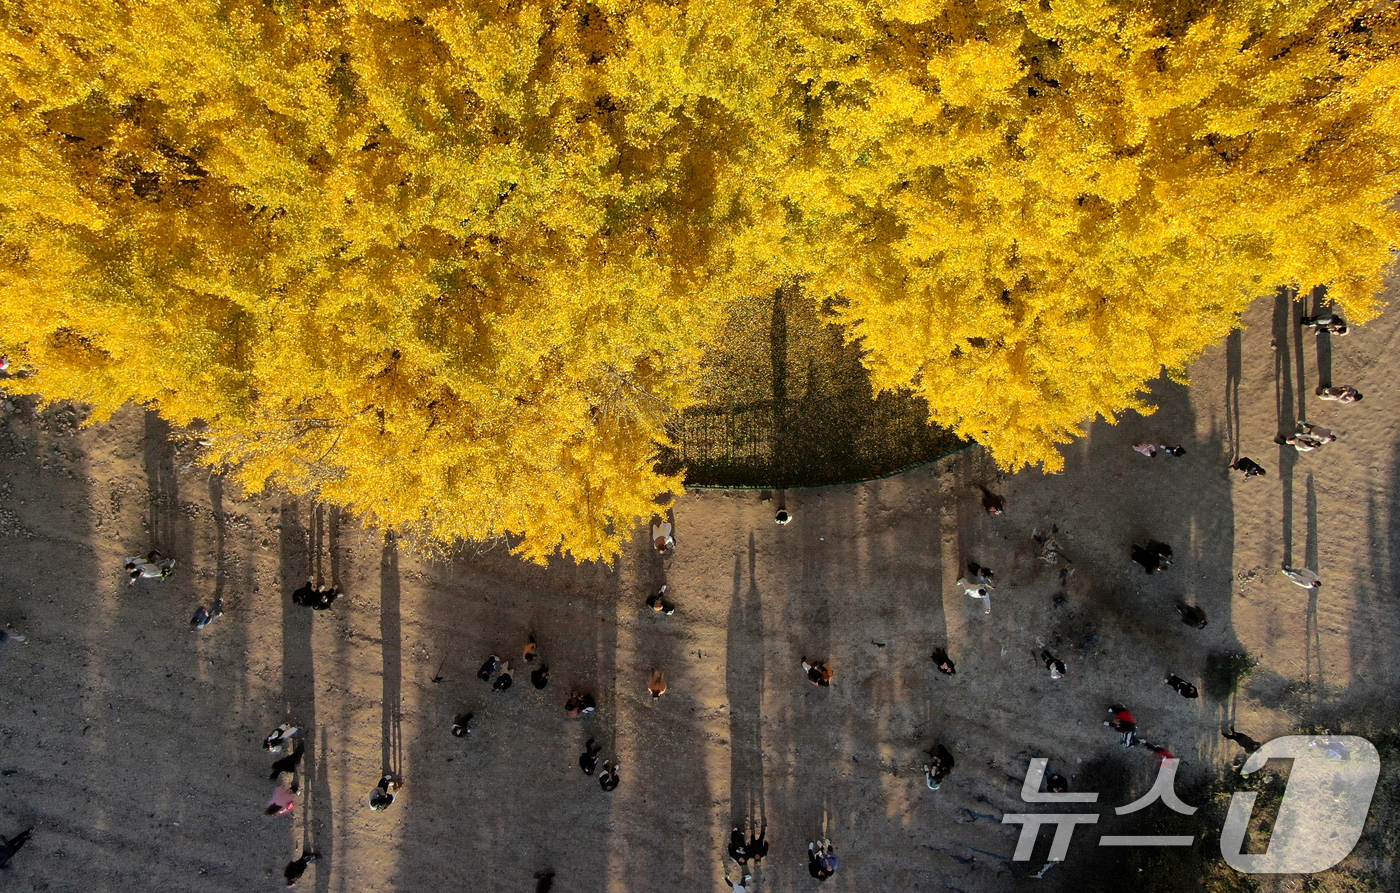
<point>284,797</point>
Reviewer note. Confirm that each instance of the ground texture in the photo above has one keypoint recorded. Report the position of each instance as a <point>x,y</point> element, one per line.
<point>132,742</point>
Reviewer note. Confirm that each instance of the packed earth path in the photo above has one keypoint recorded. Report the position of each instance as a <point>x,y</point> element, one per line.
<point>132,742</point>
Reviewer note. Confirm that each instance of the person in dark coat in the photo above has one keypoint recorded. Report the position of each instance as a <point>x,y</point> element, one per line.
<point>539,677</point>
<point>8,848</point>
<point>588,760</point>
<point>1182,687</point>
<point>297,867</point>
<point>1153,557</point>
<point>737,849</point>
<point>757,847</point>
<point>1249,467</point>
<point>943,662</point>
<point>608,779</point>
<point>1191,615</point>
<point>488,668</point>
<point>460,727</point>
<point>289,763</point>
<point>1243,740</point>
<point>504,680</point>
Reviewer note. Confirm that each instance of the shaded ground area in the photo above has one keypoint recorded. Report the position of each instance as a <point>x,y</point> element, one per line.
<point>786,402</point>
<point>132,742</point>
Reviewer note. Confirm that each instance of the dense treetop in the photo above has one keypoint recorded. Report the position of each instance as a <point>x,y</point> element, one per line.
<point>453,265</point>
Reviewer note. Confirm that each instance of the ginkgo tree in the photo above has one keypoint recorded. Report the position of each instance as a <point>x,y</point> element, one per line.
<point>453,265</point>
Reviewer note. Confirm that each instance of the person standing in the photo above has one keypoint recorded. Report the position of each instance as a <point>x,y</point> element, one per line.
<point>504,680</point>
<point>943,662</point>
<point>661,537</point>
<point>817,674</point>
<point>757,847</point>
<point>296,868</point>
<point>738,850</point>
<point>382,797</point>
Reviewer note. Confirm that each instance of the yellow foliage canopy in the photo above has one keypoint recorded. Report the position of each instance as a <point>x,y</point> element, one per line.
<point>453,264</point>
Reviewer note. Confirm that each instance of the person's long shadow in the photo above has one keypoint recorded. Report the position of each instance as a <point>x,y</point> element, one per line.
<point>1234,360</point>
<point>744,690</point>
<point>1317,684</point>
<point>299,676</point>
<point>390,634</point>
<point>167,532</point>
<point>1283,331</point>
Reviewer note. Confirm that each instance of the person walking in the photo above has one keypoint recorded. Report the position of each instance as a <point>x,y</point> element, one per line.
<point>153,568</point>
<point>1248,466</point>
<point>757,847</point>
<point>1191,615</point>
<point>828,856</point>
<point>1153,556</point>
<point>461,727</point>
<point>814,863</point>
<point>279,737</point>
<point>1124,723</point>
<point>992,504</point>
<point>1330,323</point>
<point>1147,449</point>
<point>658,603</point>
<point>283,801</point>
<point>588,760</point>
<point>317,598</point>
<point>661,537</point>
<point>817,674</point>
<point>1308,579</point>
<point>289,764</point>
<point>296,868</point>
<point>1053,664</point>
<point>1243,740</point>
<point>938,767</point>
<point>7,636</point>
<point>609,779</point>
<point>944,662</point>
<point>531,649</point>
<point>1160,752</point>
<point>204,616</point>
<point>657,686</point>
<point>1182,687</point>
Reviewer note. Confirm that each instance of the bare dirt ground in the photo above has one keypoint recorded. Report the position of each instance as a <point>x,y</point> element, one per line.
<point>132,742</point>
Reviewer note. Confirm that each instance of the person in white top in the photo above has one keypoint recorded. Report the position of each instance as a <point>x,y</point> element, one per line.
<point>1308,579</point>
<point>661,537</point>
